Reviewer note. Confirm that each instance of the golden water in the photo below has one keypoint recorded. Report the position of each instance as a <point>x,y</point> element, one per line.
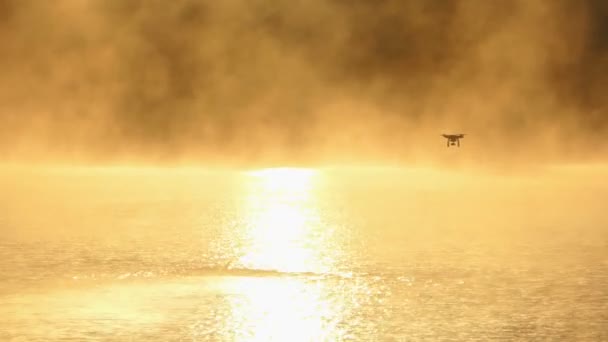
<point>289,254</point>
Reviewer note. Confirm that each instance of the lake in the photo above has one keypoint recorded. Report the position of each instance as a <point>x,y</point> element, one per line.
<point>302,254</point>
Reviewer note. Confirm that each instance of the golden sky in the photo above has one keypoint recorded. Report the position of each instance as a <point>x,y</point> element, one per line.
<point>303,81</point>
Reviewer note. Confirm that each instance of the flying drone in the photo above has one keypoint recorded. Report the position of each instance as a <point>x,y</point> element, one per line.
<point>453,139</point>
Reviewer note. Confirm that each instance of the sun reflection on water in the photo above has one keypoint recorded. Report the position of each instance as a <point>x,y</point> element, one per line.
<point>281,309</point>
<point>283,232</point>
<point>283,223</point>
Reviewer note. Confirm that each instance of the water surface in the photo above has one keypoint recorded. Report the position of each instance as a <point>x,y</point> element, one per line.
<point>302,255</point>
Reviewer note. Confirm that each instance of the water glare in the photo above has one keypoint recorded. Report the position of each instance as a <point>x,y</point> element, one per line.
<point>283,232</point>
<point>282,222</point>
<point>279,309</point>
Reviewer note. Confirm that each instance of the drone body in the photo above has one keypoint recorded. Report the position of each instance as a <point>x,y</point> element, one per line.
<point>453,139</point>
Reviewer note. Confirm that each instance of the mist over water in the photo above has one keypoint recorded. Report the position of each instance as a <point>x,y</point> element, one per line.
<point>274,170</point>
<point>255,82</point>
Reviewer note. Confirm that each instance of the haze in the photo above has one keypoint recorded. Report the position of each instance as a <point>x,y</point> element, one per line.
<point>302,82</point>
<point>256,170</point>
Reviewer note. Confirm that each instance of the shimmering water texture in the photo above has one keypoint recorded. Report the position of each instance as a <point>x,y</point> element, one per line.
<point>302,255</point>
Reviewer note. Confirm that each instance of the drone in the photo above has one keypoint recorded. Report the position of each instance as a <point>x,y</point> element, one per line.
<point>453,139</point>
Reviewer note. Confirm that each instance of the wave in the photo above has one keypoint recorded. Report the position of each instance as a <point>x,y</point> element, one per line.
<point>254,272</point>
<point>205,271</point>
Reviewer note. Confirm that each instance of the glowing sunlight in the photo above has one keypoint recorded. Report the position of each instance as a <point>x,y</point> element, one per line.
<point>281,222</point>
<point>281,309</point>
<point>283,233</point>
